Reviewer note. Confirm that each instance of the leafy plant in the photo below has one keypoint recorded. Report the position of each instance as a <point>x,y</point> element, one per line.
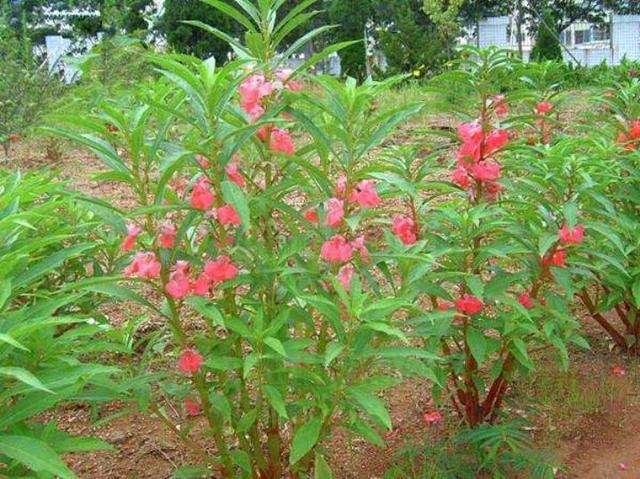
<point>48,331</point>
<point>259,235</point>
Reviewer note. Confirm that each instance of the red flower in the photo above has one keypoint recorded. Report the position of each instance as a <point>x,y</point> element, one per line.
<point>557,258</point>
<point>634,131</point>
<point>202,196</point>
<point>144,265</point>
<point>495,140</point>
<point>405,229</point>
<point>365,194</point>
<point>202,285</point>
<point>336,250</point>
<point>543,108</point>
<point>567,235</point>
<point>433,417</point>
<point>445,305</point>
<point>311,215</point>
<point>358,245</point>
<point>222,269</point>
<point>469,304</point>
<point>619,371</point>
<point>525,300</point>
<point>190,361</point>
<point>487,170</point>
<point>281,142</point>
<point>335,212</point>
<point>344,276</point>
<point>234,174</point>
<point>132,233</point>
<point>192,407</point>
<point>500,106</point>
<point>461,178</point>
<point>227,215</point>
<point>167,236</point>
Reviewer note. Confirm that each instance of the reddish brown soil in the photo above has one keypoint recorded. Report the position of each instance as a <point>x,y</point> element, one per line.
<point>591,443</point>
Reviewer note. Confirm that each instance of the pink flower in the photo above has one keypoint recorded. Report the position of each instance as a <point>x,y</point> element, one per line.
<point>365,194</point>
<point>335,212</point>
<point>469,304</point>
<point>192,407</point>
<point>623,467</point>
<point>358,245</point>
<point>281,142</point>
<point>344,276</point>
<point>567,235</point>
<point>461,178</point>
<point>336,250</point>
<point>500,106</point>
<point>132,233</point>
<point>405,229</point>
<point>486,170</point>
<point>543,108</point>
<point>525,300</point>
<point>202,285</point>
<point>202,196</point>
<point>252,90</point>
<point>311,215</point>
<point>178,287</point>
<point>167,236</point>
<point>433,417</point>
<point>283,76</point>
<point>619,370</point>
<point>202,161</point>
<point>234,174</point>
<point>144,265</point>
<point>190,361</point>
<point>495,140</point>
<point>341,186</point>
<point>222,269</point>
<point>227,215</point>
<point>470,132</point>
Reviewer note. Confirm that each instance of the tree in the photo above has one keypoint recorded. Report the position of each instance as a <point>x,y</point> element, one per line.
<point>445,14</point>
<point>564,12</point>
<point>547,46</point>
<point>352,17</point>
<point>408,37</point>
<point>26,89</point>
<point>190,39</point>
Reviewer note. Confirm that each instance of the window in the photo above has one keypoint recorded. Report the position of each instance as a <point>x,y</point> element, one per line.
<point>600,33</point>
<point>582,36</point>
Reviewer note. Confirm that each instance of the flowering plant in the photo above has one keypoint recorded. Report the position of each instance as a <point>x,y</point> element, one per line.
<point>251,238</point>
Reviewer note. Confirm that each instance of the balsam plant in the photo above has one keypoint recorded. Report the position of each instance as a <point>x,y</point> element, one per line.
<point>252,237</point>
<point>492,261</point>
<point>49,334</point>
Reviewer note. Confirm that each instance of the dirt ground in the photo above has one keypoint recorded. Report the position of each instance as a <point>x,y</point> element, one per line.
<point>587,417</point>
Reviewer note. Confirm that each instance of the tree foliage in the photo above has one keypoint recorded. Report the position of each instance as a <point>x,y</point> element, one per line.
<point>547,46</point>
<point>351,16</point>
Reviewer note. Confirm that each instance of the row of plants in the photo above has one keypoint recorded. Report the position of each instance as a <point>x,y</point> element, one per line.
<point>302,265</point>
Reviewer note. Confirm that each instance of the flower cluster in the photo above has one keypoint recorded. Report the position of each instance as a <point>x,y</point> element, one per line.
<point>255,91</point>
<point>631,138</point>
<point>476,168</point>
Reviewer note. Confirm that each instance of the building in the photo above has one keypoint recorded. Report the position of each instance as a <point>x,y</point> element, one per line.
<point>583,43</point>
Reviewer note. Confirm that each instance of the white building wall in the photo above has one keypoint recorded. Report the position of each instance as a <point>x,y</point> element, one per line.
<point>624,43</point>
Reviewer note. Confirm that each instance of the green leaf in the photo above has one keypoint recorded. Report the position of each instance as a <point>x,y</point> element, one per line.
<point>34,454</point>
<point>372,405</point>
<point>477,343</point>
<point>322,469</point>
<point>304,439</point>
<point>24,376</point>
<point>192,471</point>
<point>276,345</point>
<point>275,399</point>
<point>635,289</point>
<point>389,330</point>
<point>5,338</point>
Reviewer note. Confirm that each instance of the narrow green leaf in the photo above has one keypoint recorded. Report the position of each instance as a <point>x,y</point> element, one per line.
<point>304,439</point>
